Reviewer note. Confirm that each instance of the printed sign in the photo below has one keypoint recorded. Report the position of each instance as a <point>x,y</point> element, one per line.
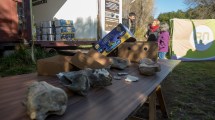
<point>112,6</point>
<point>193,40</point>
<point>111,14</point>
<point>201,38</point>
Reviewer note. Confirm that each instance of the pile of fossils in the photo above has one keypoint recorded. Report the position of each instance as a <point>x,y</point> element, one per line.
<point>44,99</point>
<point>81,81</point>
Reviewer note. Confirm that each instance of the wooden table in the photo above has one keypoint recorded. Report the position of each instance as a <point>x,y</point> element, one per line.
<point>115,102</point>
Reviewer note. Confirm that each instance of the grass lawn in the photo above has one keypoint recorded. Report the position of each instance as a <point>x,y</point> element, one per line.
<point>188,90</point>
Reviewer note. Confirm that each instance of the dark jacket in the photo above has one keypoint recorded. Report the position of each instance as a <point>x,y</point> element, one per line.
<point>152,36</point>
<point>125,22</point>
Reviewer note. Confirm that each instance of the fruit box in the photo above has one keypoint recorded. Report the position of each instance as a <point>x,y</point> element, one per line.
<point>113,39</point>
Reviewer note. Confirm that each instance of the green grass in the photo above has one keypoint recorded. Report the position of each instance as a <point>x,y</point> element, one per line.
<point>85,46</point>
<point>20,62</point>
<point>189,91</point>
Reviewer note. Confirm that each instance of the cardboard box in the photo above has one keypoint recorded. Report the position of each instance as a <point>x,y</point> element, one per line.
<point>113,39</point>
<point>54,65</point>
<point>65,30</point>
<point>47,23</point>
<point>135,51</point>
<point>92,59</point>
<point>61,22</point>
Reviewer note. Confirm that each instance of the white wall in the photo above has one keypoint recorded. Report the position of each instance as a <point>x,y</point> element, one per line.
<point>46,11</point>
<point>82,12</point>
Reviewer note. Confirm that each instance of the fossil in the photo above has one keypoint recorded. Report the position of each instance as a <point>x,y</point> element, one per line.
<point>81,81</point>
<point>44,99</point>
<point>148,67</point>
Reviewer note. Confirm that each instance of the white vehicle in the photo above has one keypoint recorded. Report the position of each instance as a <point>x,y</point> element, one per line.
<point>92,19</point>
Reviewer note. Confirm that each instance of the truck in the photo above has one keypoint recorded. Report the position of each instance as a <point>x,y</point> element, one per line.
<point>91,20</point>
<point>15,23</point>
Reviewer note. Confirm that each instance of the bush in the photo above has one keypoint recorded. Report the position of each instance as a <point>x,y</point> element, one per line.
<point>20,62</point>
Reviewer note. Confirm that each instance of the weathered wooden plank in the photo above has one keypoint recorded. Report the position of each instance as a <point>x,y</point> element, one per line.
<point>161,101</point>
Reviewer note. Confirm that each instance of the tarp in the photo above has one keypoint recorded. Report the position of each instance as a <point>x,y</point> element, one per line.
<point>193,40</point>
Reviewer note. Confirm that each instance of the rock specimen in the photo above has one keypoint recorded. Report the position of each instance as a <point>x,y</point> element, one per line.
<point>119,63</point>
<point>148,67</point>
<point>76,81</point>
<point>44,99</point>
<point>81,81</point>
<point>100,78</point>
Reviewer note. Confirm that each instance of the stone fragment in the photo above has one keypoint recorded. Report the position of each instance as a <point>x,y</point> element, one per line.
<point>44,99</point>
<point>81,81</point>
<point>148,67</point>
<point>119,63</point>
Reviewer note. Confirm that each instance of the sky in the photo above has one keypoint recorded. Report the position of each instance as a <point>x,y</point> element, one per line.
<point>162,6</point>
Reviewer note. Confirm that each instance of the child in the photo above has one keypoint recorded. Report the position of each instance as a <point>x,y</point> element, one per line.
<point>153,31</point>
<point>163,40</point>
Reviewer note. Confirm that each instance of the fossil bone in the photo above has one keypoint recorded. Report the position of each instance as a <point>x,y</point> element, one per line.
<point>81,81</point>
<point>119,63</point>
<point>44,99</point>
<point>148,67</point>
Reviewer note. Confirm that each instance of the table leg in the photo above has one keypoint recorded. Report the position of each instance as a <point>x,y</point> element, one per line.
<point>152,106</point>
<point>157,93</point>
<point>161,101</point>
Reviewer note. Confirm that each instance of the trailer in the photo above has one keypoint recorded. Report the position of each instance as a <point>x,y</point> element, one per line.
<point>15,22</point>
<point>91,19</point>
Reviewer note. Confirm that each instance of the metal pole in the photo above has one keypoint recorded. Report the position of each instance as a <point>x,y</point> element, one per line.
<point>98,21</point>
<point>31,19</point>
<point>32,38</point>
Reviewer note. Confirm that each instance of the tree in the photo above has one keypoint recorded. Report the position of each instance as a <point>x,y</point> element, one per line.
<point>143,10</point>
<point>166,17</point>
<point>199,9</point>
<point>203,9</point>
<point>199,2</point>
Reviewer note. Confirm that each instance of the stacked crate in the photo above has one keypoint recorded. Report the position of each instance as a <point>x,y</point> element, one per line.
<point>55,30</point>
<point>38,31</point>
<point>48,31</point>
<point>64,29</point>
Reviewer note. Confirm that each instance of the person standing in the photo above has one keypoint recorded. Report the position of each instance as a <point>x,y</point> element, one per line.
<point>130,22</point>
<point>153,31</point>
<point>163,40</point>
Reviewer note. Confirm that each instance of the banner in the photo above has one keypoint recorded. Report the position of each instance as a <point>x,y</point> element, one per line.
<point>193,40</point>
